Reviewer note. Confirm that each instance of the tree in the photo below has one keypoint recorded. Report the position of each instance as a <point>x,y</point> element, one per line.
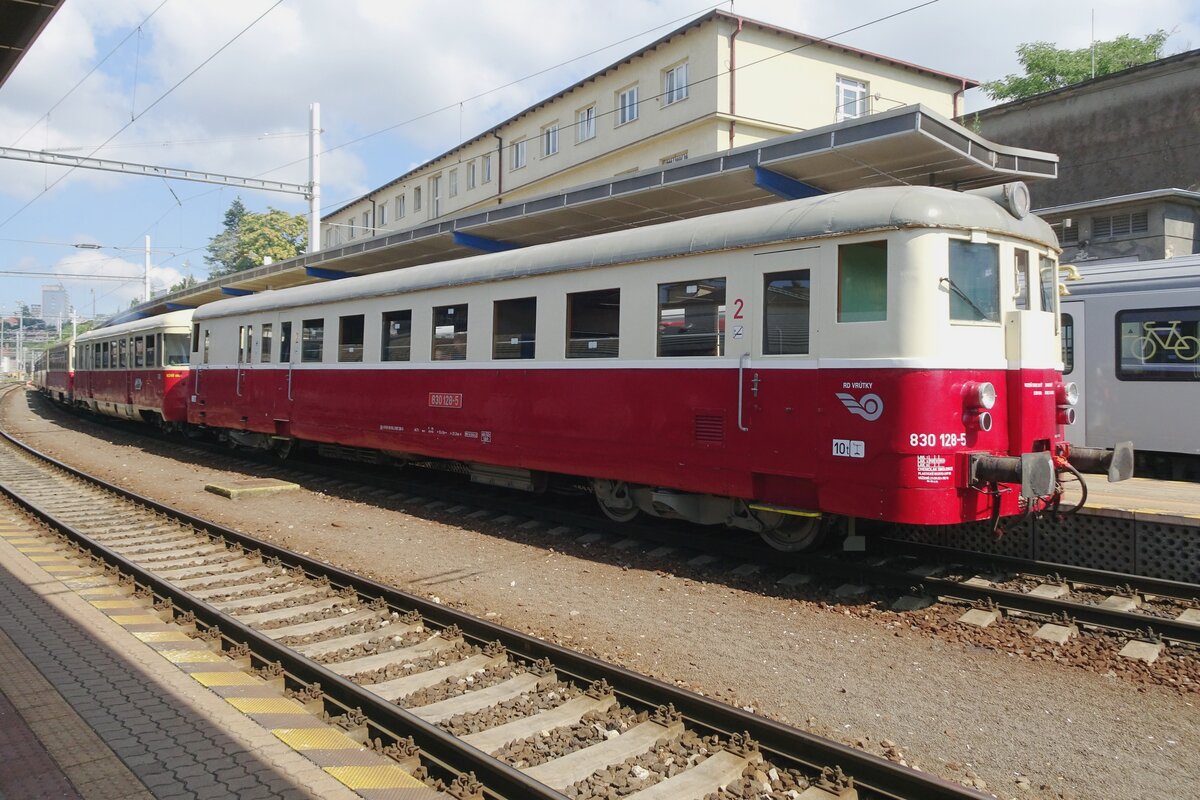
<point>249,238</point>
<point>1047,67</point>
<point>187,283</point>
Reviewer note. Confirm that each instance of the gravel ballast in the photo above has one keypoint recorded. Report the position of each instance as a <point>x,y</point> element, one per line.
<point>1020,726</point>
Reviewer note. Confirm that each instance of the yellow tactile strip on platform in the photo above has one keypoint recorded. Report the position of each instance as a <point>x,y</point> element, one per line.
<point>387,776</point>
<point>359,768</point>
<point>316,739</point>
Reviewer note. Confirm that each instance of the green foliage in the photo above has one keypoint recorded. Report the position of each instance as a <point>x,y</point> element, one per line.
<point>248,238</point>
<point>1047,67</point>
<point>187,282</point>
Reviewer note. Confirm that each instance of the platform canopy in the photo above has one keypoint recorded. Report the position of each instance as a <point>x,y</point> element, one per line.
<point>21,21</point>
<point>906,146</point>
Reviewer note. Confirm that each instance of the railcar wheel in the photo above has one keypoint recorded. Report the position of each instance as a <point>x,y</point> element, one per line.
<point>615,499</point>
<point>796,534</point>
<point>282,448</point>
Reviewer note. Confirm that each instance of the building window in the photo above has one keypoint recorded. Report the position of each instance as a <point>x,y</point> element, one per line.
<point>397,336</point>
<point>627,105</point>
<point>416,198</point>
<point>453,183</point>
<point>366,223</point>
<point>399,206</point>
<point>514,328</point>
<point>594,324</point>
<point>1116,225</point>
<point>450,333</point>
<point>675,85</point>
<point>381,212</point>
<point>862,282</point>
<point>1066,231</point>
<point>435,196</point>
<point>518,155</point>
<point>550,140</point>
<point>312,340</point>
<point>266,340</point>
<point>487,169</point>
<point>471,175</point>
<point>350,228</point>
<point>671,159</point>
<point>786,297</point>
<point>585,124</point>
<point>691,318</point>
<point>851,99</point>
<point>974,284</point>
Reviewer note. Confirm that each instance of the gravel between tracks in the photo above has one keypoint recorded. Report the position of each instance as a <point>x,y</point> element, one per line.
<point>1023,728</point>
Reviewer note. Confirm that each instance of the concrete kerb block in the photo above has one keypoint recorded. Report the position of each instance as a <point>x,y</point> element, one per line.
<point>1142,650</point>
<point>913,602</point>
<point>1050,591</point>
<point>1057,634</point>
<point>980,617</point>
<point>1121,602</point>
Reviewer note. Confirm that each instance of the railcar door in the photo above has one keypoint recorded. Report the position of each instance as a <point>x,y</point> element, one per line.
<point>1074,367</point>
<point>289,351</point>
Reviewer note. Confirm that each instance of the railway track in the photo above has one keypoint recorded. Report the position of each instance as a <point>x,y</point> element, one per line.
<point>481,710</point>
<point>1151,611</point>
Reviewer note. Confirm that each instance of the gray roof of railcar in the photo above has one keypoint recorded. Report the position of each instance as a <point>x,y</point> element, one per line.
<point>838,214</point>
<point>172,319</point>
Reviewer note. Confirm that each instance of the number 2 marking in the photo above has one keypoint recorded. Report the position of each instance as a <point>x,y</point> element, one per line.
<point>738,306</point>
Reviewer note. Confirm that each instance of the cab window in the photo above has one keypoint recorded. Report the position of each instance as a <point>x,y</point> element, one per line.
<point>862,282</point>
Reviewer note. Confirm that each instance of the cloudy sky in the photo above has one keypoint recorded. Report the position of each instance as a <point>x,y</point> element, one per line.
<point>225,85</point>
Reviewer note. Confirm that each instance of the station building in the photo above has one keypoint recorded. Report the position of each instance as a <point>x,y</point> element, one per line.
<point>719,82</point>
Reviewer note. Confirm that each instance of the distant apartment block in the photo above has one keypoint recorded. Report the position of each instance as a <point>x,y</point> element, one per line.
<point>719,82</point>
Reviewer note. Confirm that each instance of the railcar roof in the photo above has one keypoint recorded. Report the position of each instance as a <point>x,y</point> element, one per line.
<point>838,214</point>
<point>174,319</point>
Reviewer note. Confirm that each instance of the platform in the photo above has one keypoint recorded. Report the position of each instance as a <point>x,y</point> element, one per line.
<point>100,698</point>
<point>1178,501</point>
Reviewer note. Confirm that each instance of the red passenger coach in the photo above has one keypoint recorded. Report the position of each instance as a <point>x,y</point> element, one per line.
<point>136,370</point>
<point>888,354</point>
<point>56,374</point>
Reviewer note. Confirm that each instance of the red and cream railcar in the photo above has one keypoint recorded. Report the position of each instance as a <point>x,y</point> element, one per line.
<point>136,370</point>
<point>890,354</point>
<point>56,377</point>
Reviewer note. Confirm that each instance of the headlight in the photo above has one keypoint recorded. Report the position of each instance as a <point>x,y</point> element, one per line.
<point>980,395</point>
<point>1067,394</point>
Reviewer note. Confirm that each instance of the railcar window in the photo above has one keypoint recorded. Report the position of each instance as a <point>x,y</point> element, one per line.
<point>450,333</point>
<point>139,352</point>
<point>207,341</point>
<point>104,355</point>
<point>241,343</point>
<point>1068,344</point>
<point>152,350</point>
<point>196,337</point>
<point>350,338</point>
<point>785,325</point>
<point>1158,344</point>
<point>174,349</point>
<point>397,336</point>
<point>1048,279</point>
<point>121,354</point>
<point>514,328</point>
<point>312,340</point>
<point>691,318</point>
<point>249,343</point>
<point>285,342</point>
<point>1021,279</point>
<point>974,285</point>
<point>862,282</point>
<point>267,333</point>
<point>594,324</point>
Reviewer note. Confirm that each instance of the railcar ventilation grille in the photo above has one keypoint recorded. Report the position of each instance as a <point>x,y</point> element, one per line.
<point>710,428</point>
